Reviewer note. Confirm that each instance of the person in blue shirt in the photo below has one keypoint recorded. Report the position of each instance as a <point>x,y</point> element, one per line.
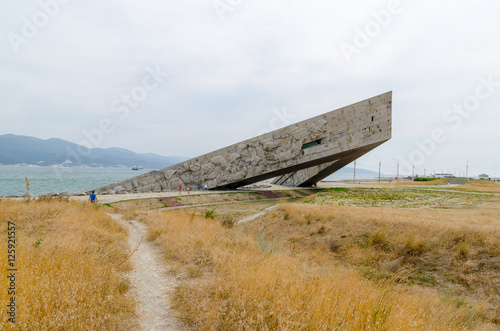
<point>93,197</point>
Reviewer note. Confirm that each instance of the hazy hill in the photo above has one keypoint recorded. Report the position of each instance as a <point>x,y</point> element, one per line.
<point>16,149</point>
<point>350,170</point>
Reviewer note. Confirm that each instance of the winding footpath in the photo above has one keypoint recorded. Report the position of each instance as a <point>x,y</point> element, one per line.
<point>150,282</point>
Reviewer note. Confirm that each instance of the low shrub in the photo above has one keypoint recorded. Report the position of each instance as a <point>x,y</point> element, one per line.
<point>423,179</point>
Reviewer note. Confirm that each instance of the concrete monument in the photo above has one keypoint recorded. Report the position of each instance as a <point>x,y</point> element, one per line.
<point>300,154</point>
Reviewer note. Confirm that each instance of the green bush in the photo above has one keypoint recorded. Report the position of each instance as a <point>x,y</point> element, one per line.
<point>423,179</point>
<point>210,213</point>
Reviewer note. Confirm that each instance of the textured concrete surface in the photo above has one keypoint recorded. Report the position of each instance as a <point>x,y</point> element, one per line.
<point>338,138</point>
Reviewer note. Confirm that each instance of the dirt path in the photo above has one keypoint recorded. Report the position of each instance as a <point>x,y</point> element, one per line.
<point>152,285</point>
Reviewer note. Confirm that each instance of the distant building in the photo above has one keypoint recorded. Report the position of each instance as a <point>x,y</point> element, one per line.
<point>484,176</point>
<point>444,176</point>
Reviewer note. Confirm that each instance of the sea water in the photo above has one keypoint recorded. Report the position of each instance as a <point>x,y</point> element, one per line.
<point>76,180</point>
<point>45,180</point>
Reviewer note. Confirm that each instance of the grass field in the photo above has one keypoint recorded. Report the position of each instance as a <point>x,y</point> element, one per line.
<point>472,185</point>
<point>480,186</point>
<point>235,205</point>
<point>347,259</point>
<point>236,281</point>
<point>67,256</point>
<point>396,257</point>
<point>402,198</point>
<point>456,254</point>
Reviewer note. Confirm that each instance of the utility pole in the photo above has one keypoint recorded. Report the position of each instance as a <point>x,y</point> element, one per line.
<point>413,171</point>
<point>397,173</point>
<point>467,171</point>
<point>354,178</point>
<point>379,165</point>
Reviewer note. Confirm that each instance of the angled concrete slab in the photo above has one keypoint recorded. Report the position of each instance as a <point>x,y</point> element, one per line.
<point>303,153</point>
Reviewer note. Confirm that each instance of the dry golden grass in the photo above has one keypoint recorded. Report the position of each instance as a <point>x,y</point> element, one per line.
<point>236,210</point>
<point>399,197</point>
<point>413,183</point>
<point>67,279</point>
<point>238,281</point>
<point>456,251</point>
<point>481,186</point>
<point>130,209</point>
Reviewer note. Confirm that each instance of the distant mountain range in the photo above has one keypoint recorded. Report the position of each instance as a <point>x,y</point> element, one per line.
<point>348,173</point>
<point>350,170</point>
<point>16,149</point>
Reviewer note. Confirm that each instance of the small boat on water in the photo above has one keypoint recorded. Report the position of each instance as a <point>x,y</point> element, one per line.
<point>137,168</point>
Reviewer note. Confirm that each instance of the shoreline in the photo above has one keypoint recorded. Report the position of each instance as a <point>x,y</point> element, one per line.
<point>111,198</point>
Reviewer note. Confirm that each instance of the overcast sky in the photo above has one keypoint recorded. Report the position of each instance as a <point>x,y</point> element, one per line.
<point>188,77</point>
